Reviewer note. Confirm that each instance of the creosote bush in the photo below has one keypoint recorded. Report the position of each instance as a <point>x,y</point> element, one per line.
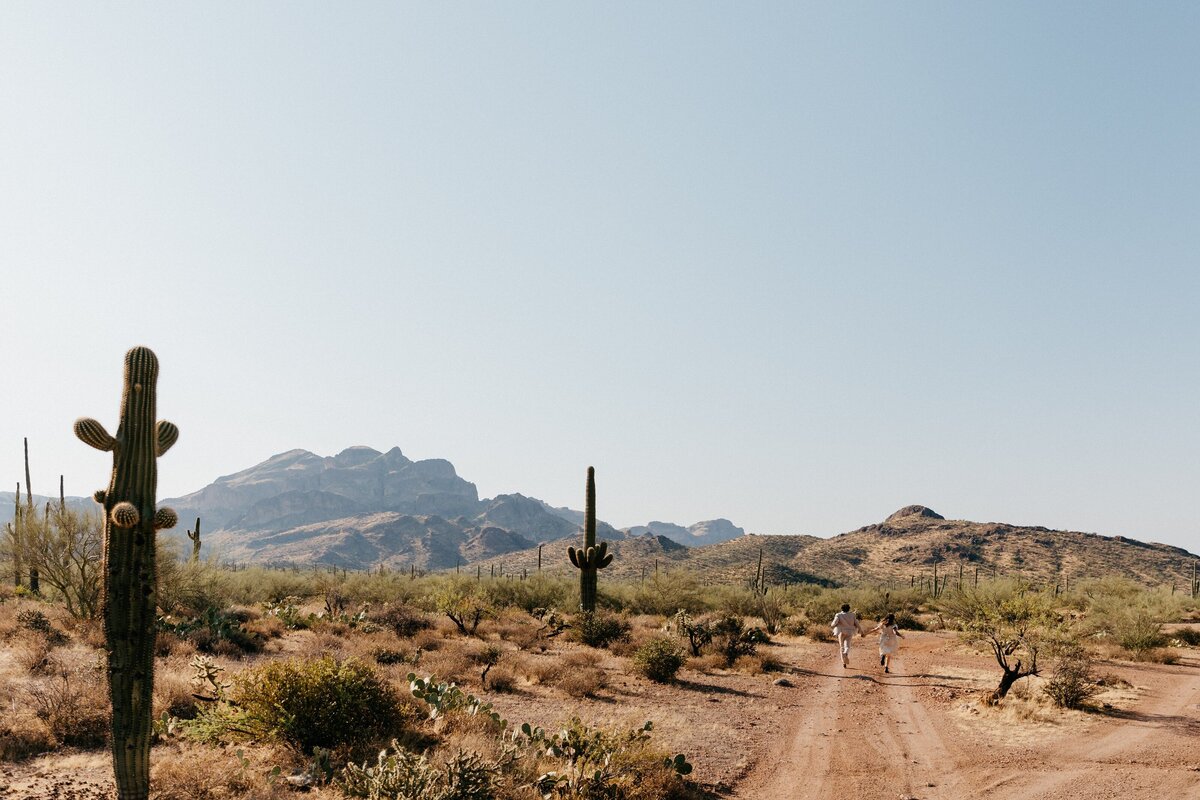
<point>597,629</point>
<point>659,659</point>
<point>324,703</point>
<point>403,620</point>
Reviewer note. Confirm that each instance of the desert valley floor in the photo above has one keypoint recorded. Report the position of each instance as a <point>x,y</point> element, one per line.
<point>828,732</point>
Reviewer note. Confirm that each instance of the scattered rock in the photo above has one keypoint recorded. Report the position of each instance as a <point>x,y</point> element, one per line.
<point>783,682</point>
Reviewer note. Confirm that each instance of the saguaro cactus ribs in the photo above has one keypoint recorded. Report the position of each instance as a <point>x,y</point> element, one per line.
<point>130,579</point>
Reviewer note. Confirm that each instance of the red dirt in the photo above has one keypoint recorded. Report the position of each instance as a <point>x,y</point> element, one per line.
<point>920,732</point>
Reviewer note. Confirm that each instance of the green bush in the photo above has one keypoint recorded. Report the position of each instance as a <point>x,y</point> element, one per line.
<point>324,703</point>
<point>1138,632</point>
<point>1072,683</point>
<point>596,629</point>
<point>659,659</point>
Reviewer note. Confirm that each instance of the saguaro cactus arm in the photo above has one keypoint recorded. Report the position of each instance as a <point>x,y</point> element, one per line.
<point>167,434</point>
<point>92,433</point>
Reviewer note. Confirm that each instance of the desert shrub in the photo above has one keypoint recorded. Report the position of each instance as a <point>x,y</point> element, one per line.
<point>1189,637</point>
<point>661,595</point>
<point>173,696</point>
<point>465,605</point>
<point>659,660</point>
<point>185,771</point>
<point>733,639</point>
<point>582,681</point>
<point>401,619</point>
<point>697,630</point>
<point>540,591</point>
<point>187,588</point>
<point>214,631</point>
<point>73,705</point>
<point>597,629</point>
<point>542,670</point>
<point>820,633</point>
<point>23,735</point>
<point>502,680</point>
<point>324,703</point>
<point>33,651</point>
<point>1138,632</point>
<point>260,585</point>
<point>487,658</point>
<point>33,620</point>
<point>794,626</point>
<point>402,775</point>
<point>388,656</point>
<point>771,609</point>
<point>1072,683</point>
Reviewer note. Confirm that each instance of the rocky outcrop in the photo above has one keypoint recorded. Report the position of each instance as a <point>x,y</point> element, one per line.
<point>363,479</point>
<point>914,511</point>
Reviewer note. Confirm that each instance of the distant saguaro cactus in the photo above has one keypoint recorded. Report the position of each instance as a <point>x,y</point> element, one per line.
<point>589,559</point>
<point>130,579</point>
<point>195,537</point>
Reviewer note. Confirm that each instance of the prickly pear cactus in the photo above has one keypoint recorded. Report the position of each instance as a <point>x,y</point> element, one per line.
<point>589,559</point>
<point>130,579</point>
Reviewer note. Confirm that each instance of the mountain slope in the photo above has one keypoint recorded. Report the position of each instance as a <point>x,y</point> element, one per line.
<point>361,508</point>
<point>903,548</point>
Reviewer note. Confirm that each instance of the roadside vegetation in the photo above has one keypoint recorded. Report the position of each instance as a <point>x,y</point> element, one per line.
<point>385,685</point>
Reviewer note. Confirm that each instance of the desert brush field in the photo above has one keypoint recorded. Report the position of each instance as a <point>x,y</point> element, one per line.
<point>269,683</point>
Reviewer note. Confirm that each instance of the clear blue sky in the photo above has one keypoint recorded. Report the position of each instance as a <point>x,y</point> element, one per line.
<point>793,265</point>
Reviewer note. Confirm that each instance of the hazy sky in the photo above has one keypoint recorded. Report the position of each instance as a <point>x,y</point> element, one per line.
<point>792,265</point>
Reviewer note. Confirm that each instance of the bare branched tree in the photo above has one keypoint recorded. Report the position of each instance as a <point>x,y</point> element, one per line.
<point>64,545</point>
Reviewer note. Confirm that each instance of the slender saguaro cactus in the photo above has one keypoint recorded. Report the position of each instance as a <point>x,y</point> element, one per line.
<point>589,559</point>
<point>130,579</point>
<point>33,573</point>
<point>195,537</point>
<point>14,532</point>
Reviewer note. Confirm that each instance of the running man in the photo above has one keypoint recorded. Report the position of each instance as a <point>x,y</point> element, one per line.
<point>845,625</point>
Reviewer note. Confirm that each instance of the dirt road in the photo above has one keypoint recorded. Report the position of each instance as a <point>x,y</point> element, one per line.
<point>858,733</point>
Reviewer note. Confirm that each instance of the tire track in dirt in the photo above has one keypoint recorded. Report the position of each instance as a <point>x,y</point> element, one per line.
<point>1114,763</point>
<point>861,735</point>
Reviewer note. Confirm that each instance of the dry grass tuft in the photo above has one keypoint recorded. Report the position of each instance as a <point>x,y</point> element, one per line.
<point>23,735</point>
<point>194,772</point>
<point>582,681</point>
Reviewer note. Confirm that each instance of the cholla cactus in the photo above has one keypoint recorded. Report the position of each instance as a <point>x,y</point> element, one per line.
<point>130,579</point>
<point>589,559</point>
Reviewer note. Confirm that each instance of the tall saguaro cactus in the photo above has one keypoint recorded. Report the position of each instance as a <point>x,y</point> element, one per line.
<point>195,537</point>
<point>589,559</point>
<point>130,578</point>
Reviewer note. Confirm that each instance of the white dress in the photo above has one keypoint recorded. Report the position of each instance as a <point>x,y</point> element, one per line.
<point>889,640</point>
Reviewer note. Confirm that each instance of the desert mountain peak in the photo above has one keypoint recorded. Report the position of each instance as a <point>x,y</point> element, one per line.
<point>914,511</point>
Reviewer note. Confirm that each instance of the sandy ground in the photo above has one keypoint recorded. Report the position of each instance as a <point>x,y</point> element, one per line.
<point>920,732</point>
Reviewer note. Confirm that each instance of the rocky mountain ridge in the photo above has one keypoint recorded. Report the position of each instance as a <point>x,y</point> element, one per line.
<point>363,507</point>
